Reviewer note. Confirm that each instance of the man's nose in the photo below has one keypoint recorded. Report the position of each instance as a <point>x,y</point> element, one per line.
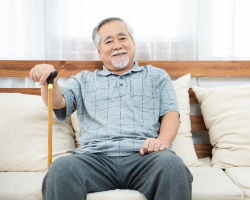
<point>117,45</point>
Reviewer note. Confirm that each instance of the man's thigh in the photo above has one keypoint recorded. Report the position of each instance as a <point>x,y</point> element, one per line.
<point>94,172</point>
<point>145,169</point>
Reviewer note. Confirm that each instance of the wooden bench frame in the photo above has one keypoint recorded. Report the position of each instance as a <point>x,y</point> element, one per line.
<point>174,68</point>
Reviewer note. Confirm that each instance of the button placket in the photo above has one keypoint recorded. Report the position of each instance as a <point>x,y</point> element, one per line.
<point>121,81</point>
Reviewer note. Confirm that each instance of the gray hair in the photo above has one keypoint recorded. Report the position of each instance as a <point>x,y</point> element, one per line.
<point>96,36</point>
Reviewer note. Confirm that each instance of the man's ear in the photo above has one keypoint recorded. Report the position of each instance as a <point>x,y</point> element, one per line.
<point>99,52</point>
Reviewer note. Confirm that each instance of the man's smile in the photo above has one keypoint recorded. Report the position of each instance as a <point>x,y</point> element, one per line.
<point>119,53</point>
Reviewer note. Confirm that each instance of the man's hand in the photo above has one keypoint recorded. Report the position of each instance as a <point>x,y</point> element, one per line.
<point>152,145</point>
<point>41,72</point>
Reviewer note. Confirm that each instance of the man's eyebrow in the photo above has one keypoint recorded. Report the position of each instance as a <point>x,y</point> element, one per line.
<point>122,34</point>
<point>119,34</point>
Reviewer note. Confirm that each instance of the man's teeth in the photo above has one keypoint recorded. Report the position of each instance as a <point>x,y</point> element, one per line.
<point>119,54</point>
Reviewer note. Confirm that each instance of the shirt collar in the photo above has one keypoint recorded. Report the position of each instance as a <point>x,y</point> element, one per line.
<point>106,72</point>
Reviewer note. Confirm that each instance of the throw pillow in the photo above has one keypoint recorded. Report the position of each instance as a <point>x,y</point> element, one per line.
<point>24,133</point>
<point>226,113</point>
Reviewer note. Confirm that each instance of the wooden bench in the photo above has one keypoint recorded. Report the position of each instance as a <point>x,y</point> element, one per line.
<point>174,68</point>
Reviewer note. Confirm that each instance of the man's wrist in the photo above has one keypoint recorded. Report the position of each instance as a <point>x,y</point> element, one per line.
<point>166,143</point>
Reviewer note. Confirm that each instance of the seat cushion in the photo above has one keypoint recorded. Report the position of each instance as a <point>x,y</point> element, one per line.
<point>28,185</point>
<point>241,177</point>
<point>209,184</point>
<point>206,162</point>
<point>212,183</point>
<point>21,185</point>
<point>117,195</point>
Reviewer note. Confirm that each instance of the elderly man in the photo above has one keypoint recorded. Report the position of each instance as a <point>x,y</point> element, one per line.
<point>129,117</point>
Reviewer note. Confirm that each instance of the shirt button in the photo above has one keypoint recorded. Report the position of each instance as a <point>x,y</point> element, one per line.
<point>121,84</point>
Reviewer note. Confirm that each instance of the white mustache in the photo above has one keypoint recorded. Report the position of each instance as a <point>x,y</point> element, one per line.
<point>118,52</point>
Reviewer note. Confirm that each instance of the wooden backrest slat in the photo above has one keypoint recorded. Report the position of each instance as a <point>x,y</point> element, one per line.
<point>34,91</point>
<point>197,123</point>
<point>192,97</point>
<point>174,68</point>
<point>203,150</point>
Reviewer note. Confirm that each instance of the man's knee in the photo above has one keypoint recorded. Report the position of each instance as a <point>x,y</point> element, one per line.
<point>63,174</point>
<point>168,162</point>
<point>61,165</point>
<point>171,175</point>
<point>167,158</point>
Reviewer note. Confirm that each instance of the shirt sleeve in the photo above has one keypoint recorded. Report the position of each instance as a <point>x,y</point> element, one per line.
<point>71,91</point>
<point>168,100</point>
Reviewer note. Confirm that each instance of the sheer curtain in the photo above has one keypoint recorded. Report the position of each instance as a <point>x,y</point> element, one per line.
<point>224,29</point>
<point>164,29</point>
<point>22,30</point>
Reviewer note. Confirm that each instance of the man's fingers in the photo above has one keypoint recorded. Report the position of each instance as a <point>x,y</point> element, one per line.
<point>152,145</point>
<point>141,151</point>
<point>41,72</point>
<point>145,146</point>
<point>157,146</point>
<point>163,147</point>
<point>44,77</point>
<point>34,74</point>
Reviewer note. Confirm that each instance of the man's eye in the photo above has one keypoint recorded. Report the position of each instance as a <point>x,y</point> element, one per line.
<point>123,38</point>
<point>108,42</point>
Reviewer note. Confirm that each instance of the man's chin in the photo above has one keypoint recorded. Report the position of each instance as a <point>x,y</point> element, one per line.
<point>121,61</point>
<point>120,65</point>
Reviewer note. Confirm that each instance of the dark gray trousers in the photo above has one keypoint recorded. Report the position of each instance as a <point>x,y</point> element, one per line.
<point>158,175</point>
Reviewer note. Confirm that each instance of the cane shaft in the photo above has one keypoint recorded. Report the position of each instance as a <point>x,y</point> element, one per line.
<point>50,108</point>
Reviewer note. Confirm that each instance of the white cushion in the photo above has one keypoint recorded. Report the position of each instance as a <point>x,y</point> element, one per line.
<point>21,185</point>
<point>28,186</point>
<point>24,134</point>
<point>212,183</point>
<point>206,162</point>
<point>241,177</point>
<point>209,183</point>
<point>116,195</point>
<point>226,113</point>
<point>183,144</point>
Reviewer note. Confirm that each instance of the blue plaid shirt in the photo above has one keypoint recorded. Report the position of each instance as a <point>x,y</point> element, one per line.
<point>118,112</point>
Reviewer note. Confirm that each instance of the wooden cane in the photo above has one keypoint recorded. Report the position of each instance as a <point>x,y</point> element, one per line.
<point>50,81</point>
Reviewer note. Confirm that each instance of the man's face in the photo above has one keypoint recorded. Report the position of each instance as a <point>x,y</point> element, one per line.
<point>116,47</point>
